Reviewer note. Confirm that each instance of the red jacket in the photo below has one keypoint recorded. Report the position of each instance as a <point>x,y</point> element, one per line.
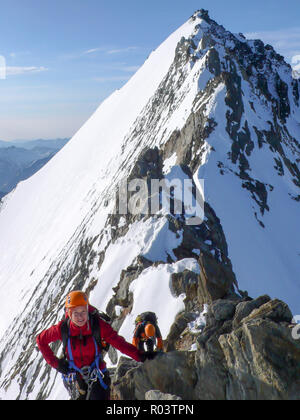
<point>83,350</point>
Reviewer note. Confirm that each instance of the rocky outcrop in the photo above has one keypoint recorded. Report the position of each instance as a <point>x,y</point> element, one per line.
<point>227,106</point>
<point>157,395</point>
<point>171,373</point>
<point>245,352</point>
<point>205,243</point>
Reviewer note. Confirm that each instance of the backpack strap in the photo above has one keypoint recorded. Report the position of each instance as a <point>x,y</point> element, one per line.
<point>64,329</point>
<point>89,376</point>
<point>95,327</point>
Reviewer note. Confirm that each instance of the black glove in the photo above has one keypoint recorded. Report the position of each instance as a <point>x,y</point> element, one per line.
<point>63,366</point>
<point>148,355</point>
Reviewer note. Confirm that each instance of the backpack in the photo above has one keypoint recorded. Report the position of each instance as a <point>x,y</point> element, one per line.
<point>146,317</point>
<point>95,327</point>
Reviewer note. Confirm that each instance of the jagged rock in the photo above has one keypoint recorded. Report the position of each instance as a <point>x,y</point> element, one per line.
<point>179,325</point>
<point>187,340</point>
<point>244,309</point>
<point>274,309</point>
<point>125,364</point>
<point>186,282</point>
<point>257,358</point>
<point>211,370</point>
<point>246,352</point>
<point>172,373</point>
<point>216,280</point>
<point>263,362</point>
<point>233,81</point>
<point>113,355</point>
<point>157,395</point>
<point>223,310</point>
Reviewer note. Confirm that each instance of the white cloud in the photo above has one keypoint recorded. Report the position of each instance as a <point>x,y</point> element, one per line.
<point>14,70</point>
<point>93,50</point>
<point>110,51</point>
<point>122,50</point>
<point>105,79</point>
<point>105,50</point>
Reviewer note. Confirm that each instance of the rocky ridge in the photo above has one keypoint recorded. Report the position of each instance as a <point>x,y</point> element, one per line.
<point>259,99</point>
<point>245,352</point>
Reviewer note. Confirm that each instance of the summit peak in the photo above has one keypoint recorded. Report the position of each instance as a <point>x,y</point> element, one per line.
<point>202,13</point>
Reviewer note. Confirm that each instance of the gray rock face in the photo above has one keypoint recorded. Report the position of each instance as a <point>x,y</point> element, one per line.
<point>263,362</point>
<point>245,308</point>
<point>275,310</point>
<point>170,373</point>
<point>223,310</point>
<point>157,395</point>
<point>246,352</point>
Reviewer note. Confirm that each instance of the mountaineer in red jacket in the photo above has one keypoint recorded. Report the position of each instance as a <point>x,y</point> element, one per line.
<point>82,333</point>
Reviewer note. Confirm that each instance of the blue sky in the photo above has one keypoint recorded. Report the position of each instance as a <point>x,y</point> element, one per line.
<point>63,57</point>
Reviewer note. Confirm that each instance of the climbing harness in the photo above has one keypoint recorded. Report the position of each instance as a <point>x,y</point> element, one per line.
<point>90,374</point>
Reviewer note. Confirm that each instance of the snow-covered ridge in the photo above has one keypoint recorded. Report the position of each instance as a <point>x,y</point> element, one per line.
<point>57,208</point>
<point>208,103</point>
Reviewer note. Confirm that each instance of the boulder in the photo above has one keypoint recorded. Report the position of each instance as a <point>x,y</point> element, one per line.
<point>245,352</point>
<point>180,324</point>
<point>262,361</point>
<point>170,373</point>
<point>157,396</point>
<point>244,309</point>
<point>223,310</point>
<point>125,364</point>
<point>216,280</point>
<point>274,309</point>
<point>248,357</point>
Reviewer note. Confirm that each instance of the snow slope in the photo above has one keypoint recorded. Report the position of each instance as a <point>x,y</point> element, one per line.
<point>266,260</point>
<point>48,220</point>
<point>198,101</point>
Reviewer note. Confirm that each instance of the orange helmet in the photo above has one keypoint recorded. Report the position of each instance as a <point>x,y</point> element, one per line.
<point>150,330</point>
<point>76,298</point>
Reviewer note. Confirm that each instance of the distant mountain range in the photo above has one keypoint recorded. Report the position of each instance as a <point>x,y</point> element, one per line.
<point>211,122</point>
<point>21,159</point>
